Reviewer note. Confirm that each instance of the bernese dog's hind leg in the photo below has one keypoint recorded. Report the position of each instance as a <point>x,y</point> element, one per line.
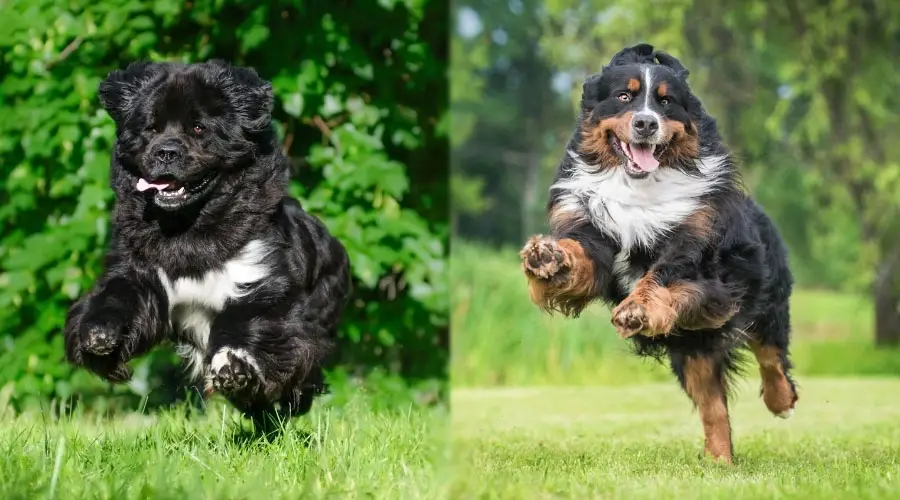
<point>769,339</point>
<point>704,378</point>
<point>778,390</point>
<point>560,274</point>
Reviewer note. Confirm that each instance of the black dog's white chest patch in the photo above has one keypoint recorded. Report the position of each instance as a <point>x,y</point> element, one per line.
<point>195,302</point>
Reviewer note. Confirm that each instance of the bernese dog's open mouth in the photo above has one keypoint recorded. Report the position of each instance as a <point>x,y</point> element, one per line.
<point>640,158</point>
<point>172,194</point>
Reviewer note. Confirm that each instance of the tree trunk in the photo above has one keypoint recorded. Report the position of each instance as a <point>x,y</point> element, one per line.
<point>887,300</point>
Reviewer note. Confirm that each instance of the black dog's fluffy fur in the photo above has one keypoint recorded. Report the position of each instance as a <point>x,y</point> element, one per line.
<point>696,287</point>
<point>222,263</point>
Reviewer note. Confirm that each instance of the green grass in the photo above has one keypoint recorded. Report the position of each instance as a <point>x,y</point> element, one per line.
<point>501,338</point>
<point>643,441</point>
<point>361,447</point>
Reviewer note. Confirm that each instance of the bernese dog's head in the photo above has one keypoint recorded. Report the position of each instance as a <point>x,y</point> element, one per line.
<point>639,114</point>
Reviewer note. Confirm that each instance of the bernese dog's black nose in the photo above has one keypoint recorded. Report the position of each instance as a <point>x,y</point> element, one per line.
<point>644,124</point>
<point>167,154</point>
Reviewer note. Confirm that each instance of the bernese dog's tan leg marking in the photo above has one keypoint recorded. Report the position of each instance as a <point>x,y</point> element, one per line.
<point>648,310</point>
<point>704,385</point>
<point>652,309</point>
<point>777,393</point>
<point>560,274</point>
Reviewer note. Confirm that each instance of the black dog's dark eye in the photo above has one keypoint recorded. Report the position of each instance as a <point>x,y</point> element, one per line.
<point>152,128</point>
<point>624,97</point>
<point>664,101</point>
<point>198,128</point>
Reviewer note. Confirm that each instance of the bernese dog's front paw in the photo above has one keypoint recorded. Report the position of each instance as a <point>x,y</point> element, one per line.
<point>544,258</point>
<point>631,317</point>
<point>234,373</point>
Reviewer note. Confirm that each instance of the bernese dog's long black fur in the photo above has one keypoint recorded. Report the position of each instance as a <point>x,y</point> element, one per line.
<point>648,215</point>
<point>207,250</point>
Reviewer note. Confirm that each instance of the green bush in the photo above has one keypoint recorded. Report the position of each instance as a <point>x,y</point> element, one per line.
<point>360,105</point>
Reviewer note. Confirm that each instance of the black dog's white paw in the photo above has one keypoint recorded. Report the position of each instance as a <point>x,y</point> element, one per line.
<point>234,371</point>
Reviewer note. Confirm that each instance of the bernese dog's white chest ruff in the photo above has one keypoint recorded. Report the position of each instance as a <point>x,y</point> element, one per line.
<point>194,303</point>
<point>635,212</point>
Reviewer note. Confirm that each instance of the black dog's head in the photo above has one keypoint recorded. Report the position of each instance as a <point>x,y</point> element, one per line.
<point>185,129</point>
<point>639,113</point>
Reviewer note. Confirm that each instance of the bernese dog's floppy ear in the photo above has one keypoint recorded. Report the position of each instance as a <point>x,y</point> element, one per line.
<point>590,91</point>
<point>640,53</point>
<point>118,90</point>
<point>672,62</point>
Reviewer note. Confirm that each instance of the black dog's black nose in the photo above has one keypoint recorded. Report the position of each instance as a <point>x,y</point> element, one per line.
<point>167,154</point>
<point>645,125</point>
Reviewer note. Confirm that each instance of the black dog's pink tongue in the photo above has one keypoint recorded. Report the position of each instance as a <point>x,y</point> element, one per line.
<point>642,156</point>
<point>143,185</point>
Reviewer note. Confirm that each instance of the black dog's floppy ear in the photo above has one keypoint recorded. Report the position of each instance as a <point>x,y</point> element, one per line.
<point>640,53</point>
<point>672,62</point>
<point>255,100</point>
<point>120,87</point>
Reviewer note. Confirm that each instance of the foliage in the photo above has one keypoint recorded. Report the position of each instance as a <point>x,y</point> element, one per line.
<point>360,104</point>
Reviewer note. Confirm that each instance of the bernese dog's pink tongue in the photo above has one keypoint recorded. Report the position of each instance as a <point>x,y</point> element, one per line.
<point>143,185</point>
<point>642,156</point>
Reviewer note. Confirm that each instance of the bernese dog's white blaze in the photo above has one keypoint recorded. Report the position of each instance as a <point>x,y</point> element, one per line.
<point>195,302</point>
<point>648,93</point>
<point>636,211</point>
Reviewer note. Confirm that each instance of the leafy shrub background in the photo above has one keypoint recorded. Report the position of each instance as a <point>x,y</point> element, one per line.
<point>360,104</point>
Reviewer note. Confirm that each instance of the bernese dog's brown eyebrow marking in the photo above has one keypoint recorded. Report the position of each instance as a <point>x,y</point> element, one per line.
<point>663,89</point>
<point>634,84</point>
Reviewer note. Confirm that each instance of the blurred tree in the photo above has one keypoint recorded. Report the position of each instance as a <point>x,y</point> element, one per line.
<point>508,115</point>
<point>361,97</point>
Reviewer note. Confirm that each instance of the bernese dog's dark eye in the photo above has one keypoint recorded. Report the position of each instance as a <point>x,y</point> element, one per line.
<point>624,97</point>
<point>198,128</point>
<point>664,101</point>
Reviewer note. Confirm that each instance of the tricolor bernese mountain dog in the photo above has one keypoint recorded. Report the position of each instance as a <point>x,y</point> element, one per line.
<point>208,252</point>
<point>648,214</point>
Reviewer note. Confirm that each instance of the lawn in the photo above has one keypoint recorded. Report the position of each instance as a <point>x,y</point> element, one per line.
<point>644,441</point>
<point>551,407</point>
<point>359,446</point>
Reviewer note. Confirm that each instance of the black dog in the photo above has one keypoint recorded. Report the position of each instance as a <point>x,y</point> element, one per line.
<point>648,214</point>
<point>207,250</point>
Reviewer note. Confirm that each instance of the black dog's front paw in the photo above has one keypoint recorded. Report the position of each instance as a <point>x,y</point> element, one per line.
<point>234,373</point>
<point>100,340</point>
<point>97,345</point>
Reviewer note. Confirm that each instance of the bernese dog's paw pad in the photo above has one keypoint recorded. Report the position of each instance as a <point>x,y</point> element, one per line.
<point>630,318</point>
<point>543,257</point>
<point>233,371</point>
<point>100,340</point>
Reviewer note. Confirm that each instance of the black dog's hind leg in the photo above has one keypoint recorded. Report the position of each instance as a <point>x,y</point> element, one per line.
<point>703,376</point>
<point>122,317</point>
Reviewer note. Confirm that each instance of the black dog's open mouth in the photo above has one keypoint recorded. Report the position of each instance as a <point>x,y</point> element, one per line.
<point>172,194</point>
<point>640,158</point>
